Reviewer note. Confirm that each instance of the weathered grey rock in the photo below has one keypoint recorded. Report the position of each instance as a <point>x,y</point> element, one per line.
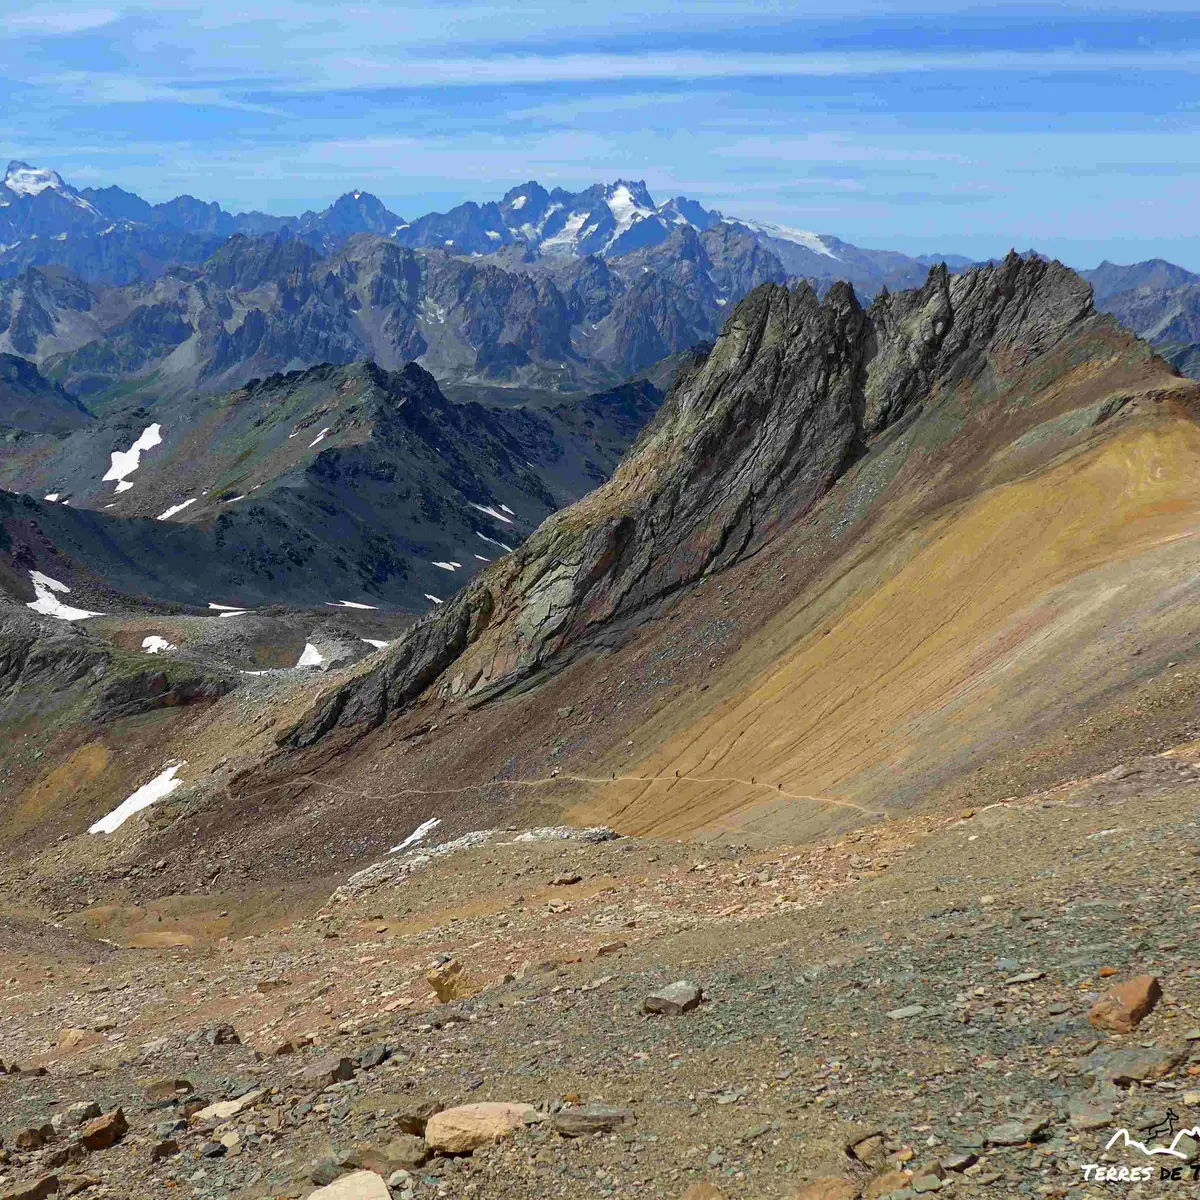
<point>1134,1064</point>
<point>909,1010</point>
<point>414,1117</point>
<point>1015,1133</point>
<point>675,998</point>
<point>333,1068</point>
<point>591,1118</point>
<point>222,1035</point>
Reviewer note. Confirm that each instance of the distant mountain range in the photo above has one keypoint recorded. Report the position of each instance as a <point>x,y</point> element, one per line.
<point>339,483</point>
<point>111,236</point>
<point>116,298</point>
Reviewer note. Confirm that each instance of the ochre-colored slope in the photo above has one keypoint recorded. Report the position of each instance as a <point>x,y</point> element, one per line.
<point>1012,609</point>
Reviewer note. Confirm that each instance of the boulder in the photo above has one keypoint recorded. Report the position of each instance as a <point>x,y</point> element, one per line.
<point>223,1110</point>
<point>591,1118</point>
<point>358,1185</point>
<point>449,981</point>
<point>1126,1005</point>
<point>675,998</point>
<point>334,1068</point>
<point>74,1115</point>
<point>222,1035</point>
<point>887,1184</point>
<point>466,1128</point>
<point>35,1189</point>
<point>104,1131</point>
<point>161,1091</point>
<point>163,1149</point>
<point>413,1118</point>
<point>830,1188</point>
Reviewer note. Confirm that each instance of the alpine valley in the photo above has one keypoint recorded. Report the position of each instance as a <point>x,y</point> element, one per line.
<point>578,696</point>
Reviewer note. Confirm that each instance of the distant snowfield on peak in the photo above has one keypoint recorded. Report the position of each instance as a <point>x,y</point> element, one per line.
<point>125,462</point>
<point>161,785</point>
<point>801,237</point>
<point>625,208</point>
<point>49,605</point>
<point>23,180</point>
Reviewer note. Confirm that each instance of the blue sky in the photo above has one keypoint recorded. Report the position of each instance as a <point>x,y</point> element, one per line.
<point>944,127</point>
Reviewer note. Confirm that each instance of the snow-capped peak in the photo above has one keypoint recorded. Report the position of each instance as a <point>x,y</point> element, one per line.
<point>628,202</point>
<point>785,233</point>
<point>23,180</point>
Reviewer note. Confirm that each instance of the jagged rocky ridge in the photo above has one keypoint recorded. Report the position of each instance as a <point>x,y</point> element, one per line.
<point>794,391</point>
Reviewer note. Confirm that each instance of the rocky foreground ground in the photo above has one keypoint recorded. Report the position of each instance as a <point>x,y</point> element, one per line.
<point>910,1010</point>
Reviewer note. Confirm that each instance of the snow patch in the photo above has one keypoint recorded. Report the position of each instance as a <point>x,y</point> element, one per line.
<point>377,643</point>
<point>349,604</point>
<point>491,512</point>
<point>482,559</point>
<point>225,607</point>
<point>519,202</point>
<point>564,241</point>
<point>508,510</point>
<point>435,599</point>
<point>319,438</point>
<point>312,657</point>
<point>51,496</point>
<point>156,645</point>
<point>161,785</point>
<point>125,462</point>
<point>492,541</point>
<point>419,834</point>
<point>493,235</point>
<point>175,508</point>
<point>448,566</point>
<point>49,605</point>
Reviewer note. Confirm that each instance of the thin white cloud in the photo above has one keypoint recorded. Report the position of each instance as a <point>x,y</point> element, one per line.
<point>61,21</point>
<point>363,72</point>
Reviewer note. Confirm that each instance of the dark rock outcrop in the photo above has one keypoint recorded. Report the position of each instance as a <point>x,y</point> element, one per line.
<point>47,666</point>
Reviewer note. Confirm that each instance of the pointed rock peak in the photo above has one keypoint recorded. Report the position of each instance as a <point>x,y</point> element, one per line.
<point>528,193</point>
